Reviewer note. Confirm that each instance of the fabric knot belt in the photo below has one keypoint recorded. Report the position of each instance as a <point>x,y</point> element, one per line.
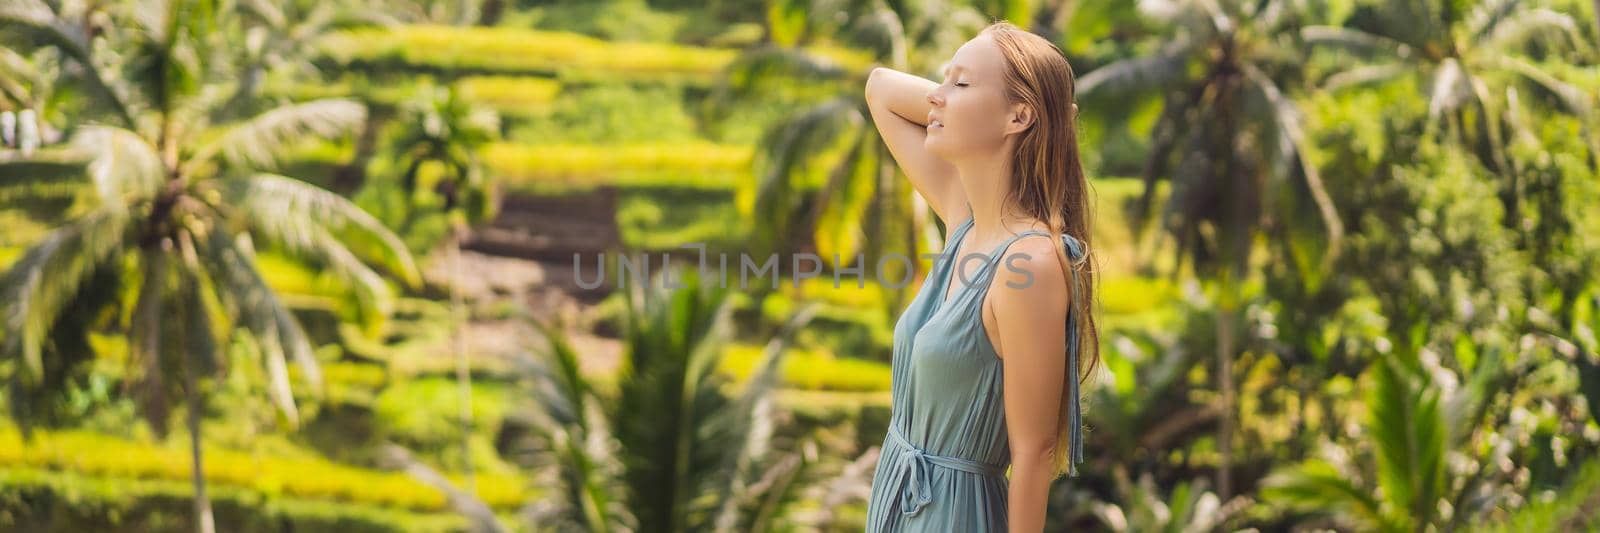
<point>913,466</point>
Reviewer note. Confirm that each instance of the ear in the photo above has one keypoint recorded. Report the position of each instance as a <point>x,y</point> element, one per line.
<point>1021,118</point>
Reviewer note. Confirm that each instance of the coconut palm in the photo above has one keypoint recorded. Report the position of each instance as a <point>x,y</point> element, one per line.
<point>442,131</point>
<point>176,206</point>
<point>1229,140</point>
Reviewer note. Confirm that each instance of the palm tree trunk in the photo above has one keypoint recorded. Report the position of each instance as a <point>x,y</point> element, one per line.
<point>463,368</point>
<point>1225,318</point>
<point>203,522</point>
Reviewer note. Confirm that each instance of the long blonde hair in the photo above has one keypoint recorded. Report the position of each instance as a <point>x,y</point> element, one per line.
<point>1048,184</point>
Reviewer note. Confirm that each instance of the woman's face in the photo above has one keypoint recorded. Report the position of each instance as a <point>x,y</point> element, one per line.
<point>970,114</point>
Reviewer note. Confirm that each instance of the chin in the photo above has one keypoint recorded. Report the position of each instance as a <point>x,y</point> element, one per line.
<point>933,146</point>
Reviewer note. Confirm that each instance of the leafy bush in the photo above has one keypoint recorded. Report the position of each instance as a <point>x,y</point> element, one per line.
<point>667,218</point>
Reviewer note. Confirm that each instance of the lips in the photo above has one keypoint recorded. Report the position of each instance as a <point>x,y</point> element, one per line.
<point>935,124</point>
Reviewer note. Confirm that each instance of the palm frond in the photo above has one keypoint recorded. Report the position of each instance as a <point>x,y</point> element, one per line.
<point>749,478</point>
<point>279,208</point>
<point>231,264</point>
<point>1182,13</point>
<point>1576,101</point>
<point>750,74</point>
<point>562,391</point>
<point>667,397</point>
<point>1418,24</point>
<point>38,19</point>
<point>884,29</point>
<point>1354,40</point>
<point>1518,29</point>
<point>1408,431</point>
<point>1364,75</point>
<point>788,150</point>
<point>483,519</point>
<point>1139,75</point>
<point>1318,485</point>
<point>44,173</point>
<point>259,141</point>
<point>1448,88</point>
<point>49,274</point>
<point>306,240</point>
<point>1293,146</point>
<point>843,203</point>
<point>125,163</point>
<point>1487,16</point>
<point>576,436</point>
<point>19,80</point>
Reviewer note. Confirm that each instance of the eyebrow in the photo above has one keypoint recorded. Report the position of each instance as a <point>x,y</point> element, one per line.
<point>948,68</point>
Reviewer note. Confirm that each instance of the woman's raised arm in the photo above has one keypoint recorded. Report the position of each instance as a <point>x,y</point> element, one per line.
<point>899,105</point>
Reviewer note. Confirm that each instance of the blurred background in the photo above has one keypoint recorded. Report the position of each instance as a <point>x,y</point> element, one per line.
<point>292,265</point>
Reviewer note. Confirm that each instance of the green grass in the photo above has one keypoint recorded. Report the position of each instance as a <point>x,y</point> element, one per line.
<point>572,57</point>
<point>511,95</point>
<point>570,167</point>
<point>609,114</point>
<point>813,370</point>
<point>305,477</point>
<point>72,501</point>
<point>9,254</point>
<point>511,50</point>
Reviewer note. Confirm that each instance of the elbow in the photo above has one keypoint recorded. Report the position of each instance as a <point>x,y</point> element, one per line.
<point>1033,455</point>
<point>874,78</point>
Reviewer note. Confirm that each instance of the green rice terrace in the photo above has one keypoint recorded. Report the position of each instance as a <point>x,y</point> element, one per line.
<point>336,255</point>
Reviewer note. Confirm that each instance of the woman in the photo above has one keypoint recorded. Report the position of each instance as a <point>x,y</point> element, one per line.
<point>987,365</point>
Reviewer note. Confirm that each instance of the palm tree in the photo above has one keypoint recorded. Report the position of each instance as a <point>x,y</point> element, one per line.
<point>177,205</point>
<point>863,206</point>
<point>691,454</point>
<point>672,445</point>
<point>1230,142</point>
<point>442,129</point>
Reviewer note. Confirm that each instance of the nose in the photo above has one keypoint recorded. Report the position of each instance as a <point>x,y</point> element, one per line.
<point>935,97</point>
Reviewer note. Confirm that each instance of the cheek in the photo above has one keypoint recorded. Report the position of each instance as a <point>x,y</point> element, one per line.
<point>978,119</point>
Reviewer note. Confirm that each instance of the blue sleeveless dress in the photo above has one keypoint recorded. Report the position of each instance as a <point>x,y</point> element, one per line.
<point>942,465</point>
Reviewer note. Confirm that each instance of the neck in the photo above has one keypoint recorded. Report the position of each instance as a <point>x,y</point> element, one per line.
<point>986,182</point>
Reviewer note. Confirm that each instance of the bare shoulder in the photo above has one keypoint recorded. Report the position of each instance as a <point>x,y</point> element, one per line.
<point>1029,300</point>
<point>1030,277</point>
